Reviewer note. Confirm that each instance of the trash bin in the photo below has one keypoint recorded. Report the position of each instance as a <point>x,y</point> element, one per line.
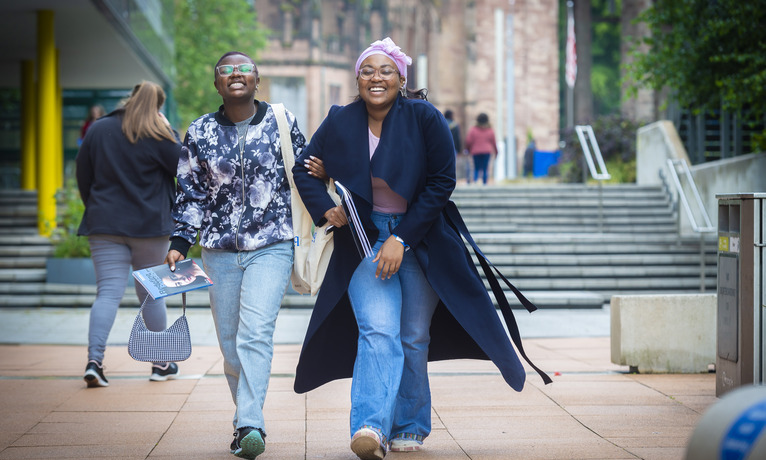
<point>542,161</point>
<point>741,315</point>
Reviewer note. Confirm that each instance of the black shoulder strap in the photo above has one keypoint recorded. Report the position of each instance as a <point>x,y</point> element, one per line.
<point>454,217</point>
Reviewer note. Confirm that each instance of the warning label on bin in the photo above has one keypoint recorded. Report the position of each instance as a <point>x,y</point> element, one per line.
<point>723,243</point>
<point>734,244</point>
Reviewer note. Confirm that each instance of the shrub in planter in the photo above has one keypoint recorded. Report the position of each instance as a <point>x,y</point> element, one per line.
<point>616,139</point>
<point>69,211</point>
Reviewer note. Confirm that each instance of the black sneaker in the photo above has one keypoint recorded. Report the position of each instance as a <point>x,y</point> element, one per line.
<point>162,373</point>
<point>94,375</point>
<point>248,442</point>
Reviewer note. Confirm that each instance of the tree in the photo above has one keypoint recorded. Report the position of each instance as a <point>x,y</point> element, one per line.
<point>204,31</point>
<point>709,53</point>
<point>583,90</point>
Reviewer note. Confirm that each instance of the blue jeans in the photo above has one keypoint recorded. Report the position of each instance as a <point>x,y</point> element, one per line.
<point>113,256</point>
<point>245,297</point>
<point>389,391</point>
<point>480,166</point>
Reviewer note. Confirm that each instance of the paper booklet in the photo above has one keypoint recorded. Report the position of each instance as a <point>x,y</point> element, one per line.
<point>354,222</point>
<point>160,282</point>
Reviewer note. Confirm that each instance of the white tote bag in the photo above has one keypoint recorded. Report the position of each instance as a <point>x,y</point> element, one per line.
<point>313,247</point>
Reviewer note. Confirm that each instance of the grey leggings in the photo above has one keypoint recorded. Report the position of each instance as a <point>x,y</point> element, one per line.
<point>112,258</point>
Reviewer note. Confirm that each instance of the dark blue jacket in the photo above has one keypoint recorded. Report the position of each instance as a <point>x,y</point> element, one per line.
<point>416,157</point>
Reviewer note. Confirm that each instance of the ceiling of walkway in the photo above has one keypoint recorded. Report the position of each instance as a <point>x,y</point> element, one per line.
<point>92,53</point>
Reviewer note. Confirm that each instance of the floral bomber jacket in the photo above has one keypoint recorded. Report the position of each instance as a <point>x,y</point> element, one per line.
<point>236,199</point>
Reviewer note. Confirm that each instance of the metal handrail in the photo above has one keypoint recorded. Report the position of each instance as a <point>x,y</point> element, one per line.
<point>601,174</point>
<point>672,165</point>
<point>708,225</point>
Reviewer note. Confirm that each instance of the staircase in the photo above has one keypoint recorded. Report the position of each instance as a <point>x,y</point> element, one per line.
<point>549,243</point>
<point>547,240</point>
<point>22,250</point>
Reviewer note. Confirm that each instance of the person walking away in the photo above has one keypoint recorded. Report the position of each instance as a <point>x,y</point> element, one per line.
<point>378,318</point>
<point>481,144</point>
<point>454,128</point>
<point>529,158</point>
<point>233,193</point>
<point>126,167</point>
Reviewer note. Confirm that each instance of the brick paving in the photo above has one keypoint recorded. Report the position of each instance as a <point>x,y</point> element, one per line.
<point>593,410</point>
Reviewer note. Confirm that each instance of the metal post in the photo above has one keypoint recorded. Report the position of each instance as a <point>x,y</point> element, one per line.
<point>600,208</point>
<point>702,262</point>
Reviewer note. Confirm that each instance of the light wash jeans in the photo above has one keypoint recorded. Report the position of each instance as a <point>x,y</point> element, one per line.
<point>245,297</point>
<point>389,391</point>
<point>113,256</point>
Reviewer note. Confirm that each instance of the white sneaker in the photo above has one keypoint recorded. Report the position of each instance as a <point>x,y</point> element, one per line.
<point>366,445</point>
<point>405,445</point>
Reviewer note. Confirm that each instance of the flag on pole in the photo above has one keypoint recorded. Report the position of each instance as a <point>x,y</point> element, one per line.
<point>571,51</point>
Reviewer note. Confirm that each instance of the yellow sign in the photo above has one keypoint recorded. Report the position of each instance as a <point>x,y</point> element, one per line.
<point>723,243</point>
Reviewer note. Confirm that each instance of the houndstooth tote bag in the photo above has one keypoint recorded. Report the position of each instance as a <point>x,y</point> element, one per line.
<point>172,344</point>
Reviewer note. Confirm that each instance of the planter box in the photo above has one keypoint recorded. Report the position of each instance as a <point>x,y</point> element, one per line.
<point>70,271</point>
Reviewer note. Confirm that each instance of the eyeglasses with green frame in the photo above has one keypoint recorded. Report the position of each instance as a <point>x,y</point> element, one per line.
<point>386,72</point>
<point>228,69</point>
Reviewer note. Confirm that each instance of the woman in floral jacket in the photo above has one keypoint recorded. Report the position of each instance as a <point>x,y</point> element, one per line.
<point>233,193</point>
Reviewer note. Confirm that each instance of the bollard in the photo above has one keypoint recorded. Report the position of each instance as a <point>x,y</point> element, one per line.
<point>734,428</point>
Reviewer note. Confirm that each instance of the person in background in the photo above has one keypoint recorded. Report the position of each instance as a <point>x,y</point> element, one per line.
<point>481,144</point>
<point>234,194</point>
<point>454,128</point>
<point>94,113</point>
<point>126,170</point>
<point>529,158</point>
<point>378,318</point>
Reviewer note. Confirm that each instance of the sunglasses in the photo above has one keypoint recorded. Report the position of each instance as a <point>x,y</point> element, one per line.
<point>228,69</point>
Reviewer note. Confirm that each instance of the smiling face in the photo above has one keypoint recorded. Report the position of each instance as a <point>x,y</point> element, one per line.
<point>237,86</point>
<point>377,92</point>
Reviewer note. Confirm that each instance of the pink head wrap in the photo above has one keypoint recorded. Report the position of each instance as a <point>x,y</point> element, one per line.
<point>386,47</point>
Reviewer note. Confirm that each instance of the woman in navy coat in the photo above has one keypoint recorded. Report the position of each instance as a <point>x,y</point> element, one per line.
<point>419,297</point>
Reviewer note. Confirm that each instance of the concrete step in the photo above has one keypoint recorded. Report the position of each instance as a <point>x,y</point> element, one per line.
<point>591,260</point>
<point>63,295</point>
<point>22,262</point>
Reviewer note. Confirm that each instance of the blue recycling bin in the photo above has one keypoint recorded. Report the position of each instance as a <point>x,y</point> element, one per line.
<point>544,160</point>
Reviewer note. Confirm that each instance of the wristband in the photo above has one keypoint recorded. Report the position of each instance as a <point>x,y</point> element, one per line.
<point>397,238</point>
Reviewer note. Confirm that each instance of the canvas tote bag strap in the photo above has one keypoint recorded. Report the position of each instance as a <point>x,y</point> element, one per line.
<point>287,143</point>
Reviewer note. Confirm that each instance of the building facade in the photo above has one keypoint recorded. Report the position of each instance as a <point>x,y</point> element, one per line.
<point>498,57</point>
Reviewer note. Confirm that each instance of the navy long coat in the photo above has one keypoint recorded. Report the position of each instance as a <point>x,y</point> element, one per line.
<point>416,157</point>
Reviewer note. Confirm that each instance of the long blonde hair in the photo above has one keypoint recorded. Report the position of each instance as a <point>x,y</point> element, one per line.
<point>142,118</point>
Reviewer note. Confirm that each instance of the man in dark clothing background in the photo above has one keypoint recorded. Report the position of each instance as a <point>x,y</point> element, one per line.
<point>454,128</point>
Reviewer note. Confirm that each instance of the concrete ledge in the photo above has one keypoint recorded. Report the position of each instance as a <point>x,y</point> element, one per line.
<point>673,333</point>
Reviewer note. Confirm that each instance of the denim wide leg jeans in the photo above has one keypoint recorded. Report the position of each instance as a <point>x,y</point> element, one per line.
<point>389,390</point>
<point>245,297</point>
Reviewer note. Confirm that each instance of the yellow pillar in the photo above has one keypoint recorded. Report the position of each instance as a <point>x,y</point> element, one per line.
<point>46,123</point>
<point>28,126</point>
<point>59,172</point>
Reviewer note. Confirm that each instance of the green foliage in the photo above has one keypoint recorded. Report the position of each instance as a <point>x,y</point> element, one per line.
<point>606,54</point>
<point>616,139</point>
<point>204,31</point>
<point>69,211</point>
<point>711,54</point>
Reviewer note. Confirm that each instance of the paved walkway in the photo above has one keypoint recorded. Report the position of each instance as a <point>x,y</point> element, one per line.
<point>593,410</point>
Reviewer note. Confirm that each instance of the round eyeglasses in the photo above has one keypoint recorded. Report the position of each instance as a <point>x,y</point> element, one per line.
<point>385,73</point>
<point>228,69</point>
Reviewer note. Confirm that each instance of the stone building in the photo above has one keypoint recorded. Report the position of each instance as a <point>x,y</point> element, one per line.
<point>468,53</point>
